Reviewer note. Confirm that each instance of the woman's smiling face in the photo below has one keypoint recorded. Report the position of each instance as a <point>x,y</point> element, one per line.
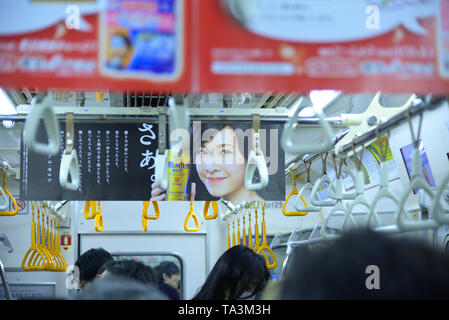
<point>220,164</point>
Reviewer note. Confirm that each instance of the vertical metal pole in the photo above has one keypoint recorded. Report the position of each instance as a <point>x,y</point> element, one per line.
<point>5,284</point>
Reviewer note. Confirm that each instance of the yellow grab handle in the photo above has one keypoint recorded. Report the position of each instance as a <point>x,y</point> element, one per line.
<point>294,213</point>
<point>263,247</point>
<point>99,222</point>
<point>32,251</point>
<point>256,235</point>
<point>233,234</point>
<point>145,215</point>
<point>206,209</point>
<point>294,192</point>
<point>16,207</point>
<point>87,206</point>
<point>195,218</point>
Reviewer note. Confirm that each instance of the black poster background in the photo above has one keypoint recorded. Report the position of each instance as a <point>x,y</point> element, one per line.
<point>123,179</point>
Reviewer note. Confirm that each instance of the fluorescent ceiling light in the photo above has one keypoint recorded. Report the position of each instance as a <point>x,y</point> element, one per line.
<point>321,98</point>
<point>6,106</point>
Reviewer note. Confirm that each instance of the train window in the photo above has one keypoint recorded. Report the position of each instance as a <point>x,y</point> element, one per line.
<point>154,260</point>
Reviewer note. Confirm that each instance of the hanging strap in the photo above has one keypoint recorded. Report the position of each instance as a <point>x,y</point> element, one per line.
<point>206,210</point>
<point>264,246</point>
<point>191,214</point>
<point>294,192</point>
<point>87,206</point>
<point>98,217</point>
<point>5,190</point>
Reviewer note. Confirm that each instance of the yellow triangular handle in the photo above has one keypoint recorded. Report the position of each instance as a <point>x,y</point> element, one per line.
<point>191,214</point>
<point>87,206</point>
<point>5,190</point>
<point>206,209</point>
<point>146,204</point>
<point>294,192</point>
<point>264,245</point>
<point>293,213</point>
<point>33,250</point>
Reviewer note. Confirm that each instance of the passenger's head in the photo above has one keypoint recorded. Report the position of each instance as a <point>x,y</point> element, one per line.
<point>394,268</point>
<point>168,272</point>
<point>116,287</point>
<point>132,269</point>
<point>90,264</point>
<point>239,273</point>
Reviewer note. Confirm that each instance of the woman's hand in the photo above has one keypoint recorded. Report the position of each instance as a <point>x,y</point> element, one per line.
<point>158,194</point>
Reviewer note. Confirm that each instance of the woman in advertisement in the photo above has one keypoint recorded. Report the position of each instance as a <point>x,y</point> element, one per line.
<point>220,153</point>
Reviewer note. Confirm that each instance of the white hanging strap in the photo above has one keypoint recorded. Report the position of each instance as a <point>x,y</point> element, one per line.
<point>307,186</point>
<point>69,159</point>
<point>295,147</point>
<point>179,125</point>
<point>383,193</point>
<point>404,221</point>
<point>161,162</point>
<point>360,199</point>
<point>42,110</point>
<point>324,179</point>
<point>437,210</point>
<point>256,160</point>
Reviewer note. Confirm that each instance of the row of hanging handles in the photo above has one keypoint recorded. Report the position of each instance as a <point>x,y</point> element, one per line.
<point>44,253</point>
<point>403,218</point>
<point>92,210</point>
<point>246,239</point>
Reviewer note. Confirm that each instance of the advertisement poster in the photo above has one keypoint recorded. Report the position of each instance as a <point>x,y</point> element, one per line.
<point>116,161</point>
<point>351,45</point>
<point>407,153</point>
<point>226,45</point>
<point>105,44</point>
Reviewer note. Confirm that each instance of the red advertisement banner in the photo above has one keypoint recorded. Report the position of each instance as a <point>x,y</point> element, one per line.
<point>226,45</point>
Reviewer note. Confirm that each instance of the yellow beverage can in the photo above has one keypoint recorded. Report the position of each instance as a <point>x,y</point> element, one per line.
<point>178,177</point>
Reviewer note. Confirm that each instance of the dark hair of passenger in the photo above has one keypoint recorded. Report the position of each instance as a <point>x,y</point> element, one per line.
<point>346,269</point>
<point>91,262</point>
<point>237,269</point>
<point>118,287</point>
<point>132,269</point>
<point>167,267</point>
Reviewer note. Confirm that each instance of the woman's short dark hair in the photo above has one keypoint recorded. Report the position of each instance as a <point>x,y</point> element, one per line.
<point>236,270</point>
<point>133,269</point>
<point>167,267</point>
